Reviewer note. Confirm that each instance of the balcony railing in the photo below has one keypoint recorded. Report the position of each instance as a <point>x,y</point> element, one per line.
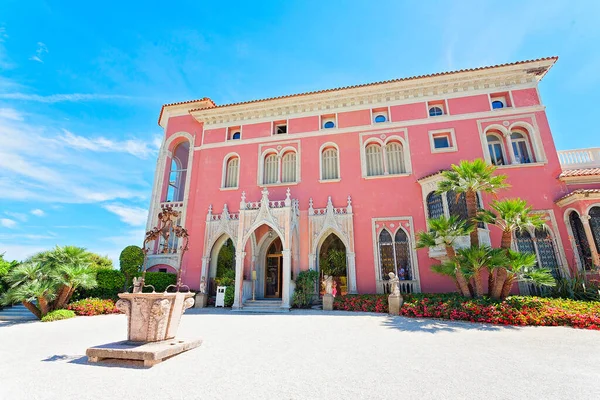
<point>579,158</point>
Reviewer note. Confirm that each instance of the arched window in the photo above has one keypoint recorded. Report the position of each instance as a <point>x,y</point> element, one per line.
<point>521,148</point>
<point>178,172</point>
<point>271,169</point>
<point>395,158</point>
<point>402,251</point>
<point>546,252</point>
<point>497,104</point>
<point>380,118</point>
<point>374,160</point>
<point>435,205</point>
<point>329,125</point>
<point>329,164</point>
<point>496,149</point>
<point>236,136</point>
<point>386,254</point>
<point>457,205</point>
<point>594,214</point>
<point>231,173</point>
<point>435,111</point>
<point>288,166</point>
<point>524,242</point>
<point>581,242</point>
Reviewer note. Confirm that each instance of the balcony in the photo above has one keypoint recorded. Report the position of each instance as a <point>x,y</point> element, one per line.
<point>579,158</point>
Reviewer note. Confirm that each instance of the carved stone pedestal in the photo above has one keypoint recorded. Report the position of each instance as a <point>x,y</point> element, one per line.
<point>327,302</point>
<point>394,304</point>
<point>201,300</point>
<point>153,317</point>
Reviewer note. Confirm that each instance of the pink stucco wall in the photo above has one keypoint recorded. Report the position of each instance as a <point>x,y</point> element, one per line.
<point>399,196</point>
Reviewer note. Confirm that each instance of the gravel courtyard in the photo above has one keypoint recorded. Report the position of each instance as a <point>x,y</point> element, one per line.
<point>305,355</point>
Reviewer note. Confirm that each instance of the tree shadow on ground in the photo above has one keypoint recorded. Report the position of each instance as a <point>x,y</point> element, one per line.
<point>6,323</point>
<point>432,325</point>
<point>106,363</point>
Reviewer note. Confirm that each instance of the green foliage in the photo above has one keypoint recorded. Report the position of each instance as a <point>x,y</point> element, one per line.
<point>5,267</point>
<point>57,315</point>
<point>160,280</point>
<point>229,296</point>
<point>333,263</point>
<point>444,231</point>
<point>225,281</point>
<point>110,283</point>
<point>98,262</point>
<point>475,176</point>
<point>305,288</point>
<point>577,288</point>
<point>131,260</point>
<point>226,261</point>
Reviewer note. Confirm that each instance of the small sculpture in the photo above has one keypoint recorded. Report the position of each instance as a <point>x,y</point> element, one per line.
<point>334,290</point>
<point>203,285</point>
<point>137,284</point>
<point>394,283</point>
<point>328,284</point>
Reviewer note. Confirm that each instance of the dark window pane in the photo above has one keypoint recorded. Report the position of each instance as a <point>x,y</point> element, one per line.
<point>457,205</point>
<point>546,252</point>
<point>441,142</point>
<point>380,118</point>
<point>497,104</point>
<point>435,206</point>
<point>581,242</point>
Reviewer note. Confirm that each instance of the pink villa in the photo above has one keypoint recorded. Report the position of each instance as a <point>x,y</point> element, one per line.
<point>284,180</point>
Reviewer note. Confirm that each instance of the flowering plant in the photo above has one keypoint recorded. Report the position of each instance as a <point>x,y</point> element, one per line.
<point>93,306</point>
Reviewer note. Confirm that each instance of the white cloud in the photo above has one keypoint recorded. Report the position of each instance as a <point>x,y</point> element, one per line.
<point>58,98</point>
<point>135,147</point>
<point>20,216</point>
<point>38,212</point>
<point>41,50</point>
<point>20,252</point>
<point>10,113</point>
<point>8,223</point>
<point>134,216</point>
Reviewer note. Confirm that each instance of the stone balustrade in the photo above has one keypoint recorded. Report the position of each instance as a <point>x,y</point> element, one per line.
<point>579,158</point>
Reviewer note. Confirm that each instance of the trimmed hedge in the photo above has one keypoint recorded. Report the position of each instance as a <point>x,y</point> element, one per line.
<point>111,282</point>
<point>57,315</point>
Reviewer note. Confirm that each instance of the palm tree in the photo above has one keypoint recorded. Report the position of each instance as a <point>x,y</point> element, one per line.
<point>444,231</point>
<point>29,284</point>
<point>470,177</point>
<point>521,267</point>
<point>474,259</point>
<point>509,215</point>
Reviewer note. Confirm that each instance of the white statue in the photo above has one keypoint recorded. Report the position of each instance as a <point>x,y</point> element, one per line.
<point>394,284</point>
<point>203,285</point>
<point>328,284</point>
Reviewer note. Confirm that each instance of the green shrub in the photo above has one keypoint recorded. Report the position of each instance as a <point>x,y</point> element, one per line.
<point>110,283</point>
<point>577,288</point>
<point>57,315</point>
<point>229,296</point>
<point>160,280</point>
<point>305,288</point>
<point>5,267</point>
<point>131,260</point>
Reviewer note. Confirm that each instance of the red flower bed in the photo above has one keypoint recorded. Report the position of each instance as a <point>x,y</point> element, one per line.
<point>93,306</point>
<point>516,310</point>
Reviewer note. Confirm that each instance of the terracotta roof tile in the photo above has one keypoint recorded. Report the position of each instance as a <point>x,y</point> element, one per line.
<point>580,172</point>
<point>578,191</point>
<point>539,71</point>
<point>432,174</point>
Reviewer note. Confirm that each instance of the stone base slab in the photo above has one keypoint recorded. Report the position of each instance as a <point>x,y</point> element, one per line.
<point>394,303</point>
<point>150,353</point>
<point>328,302</point>
<point>201,300</point>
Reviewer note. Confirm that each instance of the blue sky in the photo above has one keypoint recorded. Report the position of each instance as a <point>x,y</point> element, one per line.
<point>81,85</point>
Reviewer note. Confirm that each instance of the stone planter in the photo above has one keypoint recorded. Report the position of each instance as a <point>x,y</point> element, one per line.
<point>152,317</point>
<point>201,300</point>
<point>394,304</point>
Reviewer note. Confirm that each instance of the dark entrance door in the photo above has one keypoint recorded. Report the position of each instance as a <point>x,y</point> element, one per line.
<point>273,270</point>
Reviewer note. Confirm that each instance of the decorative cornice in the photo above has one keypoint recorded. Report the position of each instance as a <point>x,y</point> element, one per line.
<point>579,194</point>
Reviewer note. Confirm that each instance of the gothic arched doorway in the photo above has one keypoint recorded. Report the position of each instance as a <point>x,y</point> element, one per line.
<point>273,272</point>
<point>222,271</point>
<point>333,262</point>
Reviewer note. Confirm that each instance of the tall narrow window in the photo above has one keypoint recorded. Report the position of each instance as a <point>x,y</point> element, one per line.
<point>546,252</point>
<point>521,148</point>
<point>271,169</point>
<point>374,160</point>
<point>329,164</point>
<point>288,162</point>
<point>402,251</point>
<point>496,150</point>
<point>386,254</point>
<point>395,158</point>
<point>231,175</point>
<point>581,242</point>
<point>178,172</point>
<point>435,205</point>
<point>457,205</point>
<point>595,225</point>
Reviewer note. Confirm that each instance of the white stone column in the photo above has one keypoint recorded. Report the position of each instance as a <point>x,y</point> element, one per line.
<point>205,266</point>
<point>287,276</point>
<point>351,265</point>
<point>239,278</point>
<point>311,261</point>
<point>585,220</point>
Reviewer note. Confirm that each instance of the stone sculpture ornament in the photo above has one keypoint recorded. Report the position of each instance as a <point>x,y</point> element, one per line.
<point>328,284</point>
<point>394,283</point>
<point>203,285</point>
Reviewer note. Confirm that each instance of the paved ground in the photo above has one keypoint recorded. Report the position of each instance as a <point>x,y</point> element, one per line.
<point>306,355</point>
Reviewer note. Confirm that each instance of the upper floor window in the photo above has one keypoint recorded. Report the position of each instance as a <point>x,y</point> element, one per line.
<point>386,159</point>
<point>500,100</point>
<point>435,111</point>
<point>234,133</point>
<point>329,164</point>
<point>374,159</point>
<point>236,136</point>
<point>496,149</point>
<point>449,204</point>
<point>231,172</point>
<point>435,205</point>
<point>328,121</point>
<point>288,172</point>
<point>178,172</point>
<point>497,104</point>
<point>280,127</point>
<point>380,118</point>
<point>521,148</point>
<point>395,158</point>
<point>271,169</point>
<point>380,115</point>
<point>329,124</point>
<point>442,141</point>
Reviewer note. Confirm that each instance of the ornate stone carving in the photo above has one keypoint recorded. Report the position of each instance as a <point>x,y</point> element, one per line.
<point>394,283</point>
<point>124,306</point>
<point>327,284</point>
<point>203,285</point>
